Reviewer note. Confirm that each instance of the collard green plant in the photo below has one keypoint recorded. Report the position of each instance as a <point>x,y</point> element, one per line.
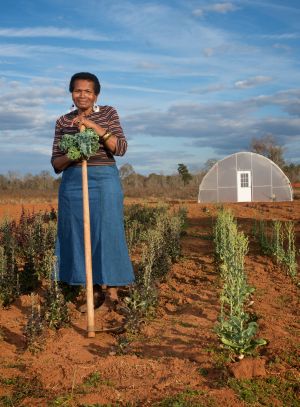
<point>80,145</point>
<point>234,328</point>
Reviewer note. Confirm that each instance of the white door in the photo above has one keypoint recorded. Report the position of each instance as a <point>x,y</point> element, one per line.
<point>244,186</point>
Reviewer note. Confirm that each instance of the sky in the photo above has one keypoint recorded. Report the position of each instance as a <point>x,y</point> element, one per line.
<point>192,80</point>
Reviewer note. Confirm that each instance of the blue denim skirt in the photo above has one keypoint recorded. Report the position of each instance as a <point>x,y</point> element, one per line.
<point>110,259</point>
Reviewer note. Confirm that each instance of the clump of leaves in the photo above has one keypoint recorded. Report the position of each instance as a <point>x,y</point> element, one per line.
<point>80,145</point>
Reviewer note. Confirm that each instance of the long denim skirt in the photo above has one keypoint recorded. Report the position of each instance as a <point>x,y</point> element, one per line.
<point>110,260</point>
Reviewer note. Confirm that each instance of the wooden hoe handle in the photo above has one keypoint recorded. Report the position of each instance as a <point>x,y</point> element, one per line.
<point>87,251</point>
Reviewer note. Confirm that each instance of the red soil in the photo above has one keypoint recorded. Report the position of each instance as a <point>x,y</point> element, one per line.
<point>178,349</point>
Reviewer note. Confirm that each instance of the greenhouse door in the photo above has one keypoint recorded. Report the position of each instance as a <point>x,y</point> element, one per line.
<point>244,186</point>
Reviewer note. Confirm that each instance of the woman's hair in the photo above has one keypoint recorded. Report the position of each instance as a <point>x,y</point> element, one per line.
<point>88,77</point>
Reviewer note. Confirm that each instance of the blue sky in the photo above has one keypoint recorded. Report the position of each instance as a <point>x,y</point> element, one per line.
<point>191,79</point>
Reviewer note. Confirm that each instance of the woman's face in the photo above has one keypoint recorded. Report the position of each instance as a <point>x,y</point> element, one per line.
<point>83,94</point>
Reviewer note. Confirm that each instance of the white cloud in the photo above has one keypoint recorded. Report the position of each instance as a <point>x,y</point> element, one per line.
<point>251,82</point>
<point>52,32</point>
<point>222,8</point>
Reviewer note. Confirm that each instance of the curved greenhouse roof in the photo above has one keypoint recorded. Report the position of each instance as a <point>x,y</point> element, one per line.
<point>245,177</point>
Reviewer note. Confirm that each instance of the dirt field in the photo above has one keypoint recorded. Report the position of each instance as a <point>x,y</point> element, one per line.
<point>177,357</point>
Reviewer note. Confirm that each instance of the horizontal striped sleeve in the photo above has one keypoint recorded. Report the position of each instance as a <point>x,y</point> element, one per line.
<point>116,129</point>
<point>56,151</point>
<point>106,117</point>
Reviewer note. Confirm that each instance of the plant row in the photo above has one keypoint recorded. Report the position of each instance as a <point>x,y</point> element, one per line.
<point>27,262</point>
<point>277,240</point>
<point>156,232</point>
<point>236,327</point>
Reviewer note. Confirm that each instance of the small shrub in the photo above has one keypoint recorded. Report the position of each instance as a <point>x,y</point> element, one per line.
<point>56,311</point>
<point>34,328</point>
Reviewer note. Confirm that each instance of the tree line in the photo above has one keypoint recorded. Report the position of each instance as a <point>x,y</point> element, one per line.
<point>182,184</point>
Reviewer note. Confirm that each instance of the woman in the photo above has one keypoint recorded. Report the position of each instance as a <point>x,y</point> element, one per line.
<point>110,259</point>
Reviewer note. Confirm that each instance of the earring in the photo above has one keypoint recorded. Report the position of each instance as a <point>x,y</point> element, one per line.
<point>96,108</point>
<point>72,108</point>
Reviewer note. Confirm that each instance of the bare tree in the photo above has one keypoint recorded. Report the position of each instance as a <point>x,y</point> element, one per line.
<point>268,147</point>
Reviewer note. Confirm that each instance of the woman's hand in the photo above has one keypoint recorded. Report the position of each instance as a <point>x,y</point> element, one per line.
<point>81,120</point>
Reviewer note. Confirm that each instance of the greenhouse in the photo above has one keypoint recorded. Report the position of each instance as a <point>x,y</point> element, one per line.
<point>245,177</point>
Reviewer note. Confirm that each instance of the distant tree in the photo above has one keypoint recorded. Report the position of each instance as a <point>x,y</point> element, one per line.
<point>292,171</point>
<point>209,164</point>
<point>126,170</point>
<point>184,173</point>
<point>267,147</point>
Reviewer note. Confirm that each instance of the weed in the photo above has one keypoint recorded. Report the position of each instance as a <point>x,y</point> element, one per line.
<point>267,392</point>
<point>187,398</point>
<point>95,379</point>
<point>23,388</point>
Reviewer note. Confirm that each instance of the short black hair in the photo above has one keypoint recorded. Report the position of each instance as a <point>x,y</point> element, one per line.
<point>87,76</point>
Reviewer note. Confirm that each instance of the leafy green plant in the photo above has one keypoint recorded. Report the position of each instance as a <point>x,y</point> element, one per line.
<point>289,259</point>
<point>80,145</point>
<point>235,328</point>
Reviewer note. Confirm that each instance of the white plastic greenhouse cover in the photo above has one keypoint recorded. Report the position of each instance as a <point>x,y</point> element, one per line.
<point>265,180</point>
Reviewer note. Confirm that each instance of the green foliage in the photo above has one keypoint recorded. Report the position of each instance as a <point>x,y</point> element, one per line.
<point>260,232</point>
<point>277,240</point>
<point>234,328</point>
<point>95,379</point>
<point>187,398</point>
<point>56,311</point>
<point>184,173</point>
<point>290,260</point>
<point>80,145</point>
<point>27,248</point>
<point>268,391</point>
<point>34,328</point>
<point>159,236</point>
<point>9,282</point>
<point>22,388</point>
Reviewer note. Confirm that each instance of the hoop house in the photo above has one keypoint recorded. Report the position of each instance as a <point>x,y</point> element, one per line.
<point>245,177</point>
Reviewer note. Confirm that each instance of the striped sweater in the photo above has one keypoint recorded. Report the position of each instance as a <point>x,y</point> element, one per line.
<point>108,118</point>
